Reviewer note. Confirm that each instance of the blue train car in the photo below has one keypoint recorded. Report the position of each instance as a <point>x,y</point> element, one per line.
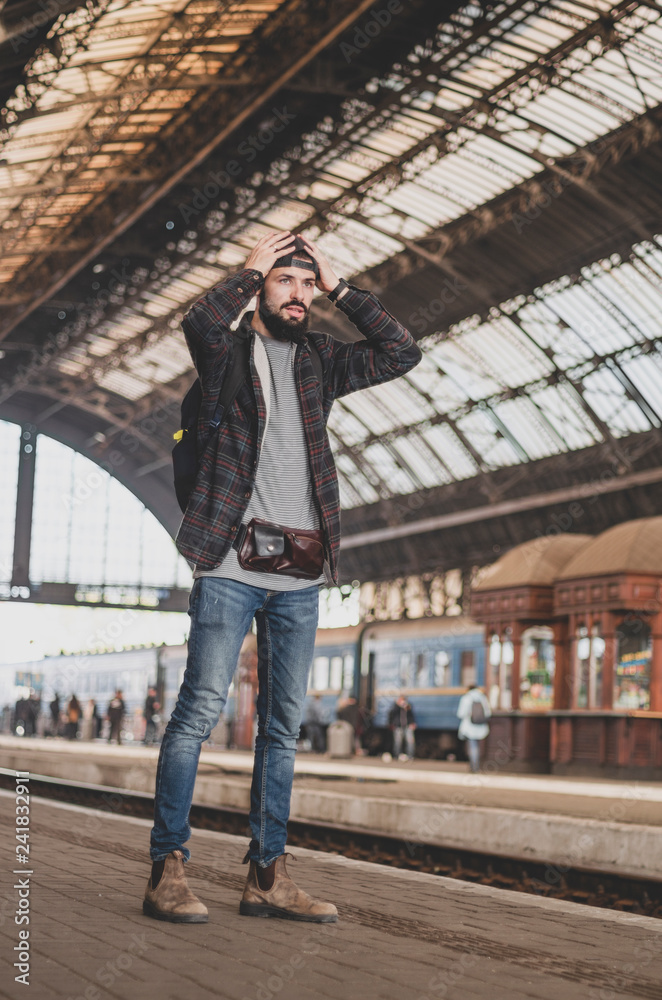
<point>334,675</point>
<point>430,660</point>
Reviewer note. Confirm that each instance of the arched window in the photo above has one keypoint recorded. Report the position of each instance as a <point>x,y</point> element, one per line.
<point>87,529</point>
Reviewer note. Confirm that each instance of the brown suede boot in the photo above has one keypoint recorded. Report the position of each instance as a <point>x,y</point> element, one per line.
<point>284,899</point>
<point>172,899</point>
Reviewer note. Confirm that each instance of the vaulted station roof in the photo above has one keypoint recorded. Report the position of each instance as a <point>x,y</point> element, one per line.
<point>490,169</point>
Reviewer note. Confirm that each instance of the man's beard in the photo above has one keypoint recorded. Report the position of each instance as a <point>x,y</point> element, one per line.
<point>280,325</point>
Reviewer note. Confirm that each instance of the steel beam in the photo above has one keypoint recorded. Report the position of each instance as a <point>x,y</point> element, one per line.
<point>494,510</point>
<point>20,576</point>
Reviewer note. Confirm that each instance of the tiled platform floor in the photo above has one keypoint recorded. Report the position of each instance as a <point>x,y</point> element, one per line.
<point>401,935</point>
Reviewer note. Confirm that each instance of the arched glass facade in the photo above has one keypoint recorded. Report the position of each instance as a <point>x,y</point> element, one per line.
<point>87,528</point>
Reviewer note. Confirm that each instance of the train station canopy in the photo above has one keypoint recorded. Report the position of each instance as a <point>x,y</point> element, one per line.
<point>490,170</point>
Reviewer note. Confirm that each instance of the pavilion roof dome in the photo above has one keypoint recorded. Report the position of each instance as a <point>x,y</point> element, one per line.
<point>631,547</point>
<point>537,562</point>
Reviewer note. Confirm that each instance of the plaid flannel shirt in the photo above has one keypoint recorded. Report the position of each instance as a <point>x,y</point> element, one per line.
<point>229,461</point>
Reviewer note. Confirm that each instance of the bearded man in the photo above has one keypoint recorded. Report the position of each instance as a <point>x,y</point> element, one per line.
<point>266,474</point>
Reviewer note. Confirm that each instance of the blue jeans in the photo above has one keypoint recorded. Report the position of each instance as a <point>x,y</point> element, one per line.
<point>221,614</point>
<point>473,753</point>
<point>406,734</point>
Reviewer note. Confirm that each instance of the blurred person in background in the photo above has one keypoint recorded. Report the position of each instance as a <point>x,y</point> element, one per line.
<point>91,720</point>
<point>32,712</point>
<point>115,714</point>
<point>151,714</point>
<point>74,713</point>
<point>54,708</point>
<point>315,724</point>
<point>402,725</point>
<point>473,712</point>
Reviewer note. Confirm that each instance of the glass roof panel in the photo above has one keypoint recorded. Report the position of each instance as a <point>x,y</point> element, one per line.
<point>400,399</point>
<point>468,372</point>
<point>99,347</point>
<point>444,392</point>
<point>346,426</point>
<point>591,321</point>
<point>562,411</point>
<point>367,407</point>
<point>445,443</point>
<point>606,396</point>
<point>555,336</point>
<point>527,424</point>
<point>390,473</point>
<point>356,479</point>
<point>423,462</point>
<point>636,300</point>
<point>481,430</point>
<point>124,384</point>
<point>504,351</point>
<point>645,373</point>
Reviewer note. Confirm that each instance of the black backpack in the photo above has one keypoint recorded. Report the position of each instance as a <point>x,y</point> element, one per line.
<point>185,455</point>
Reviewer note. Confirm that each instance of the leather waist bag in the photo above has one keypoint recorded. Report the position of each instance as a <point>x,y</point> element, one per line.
<point>263,547</point>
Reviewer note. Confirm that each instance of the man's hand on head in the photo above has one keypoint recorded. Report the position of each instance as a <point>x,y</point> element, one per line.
<point>268,250</point>
<point>327,280</point>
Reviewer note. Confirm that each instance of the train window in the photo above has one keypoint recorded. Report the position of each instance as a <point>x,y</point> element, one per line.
<point>405,670</point>
<point>335,673</point>
<point>442,669</point>
<point>320,673</point>
<point>348,672</point>
<point>421,680</point>
<point>467,667</point>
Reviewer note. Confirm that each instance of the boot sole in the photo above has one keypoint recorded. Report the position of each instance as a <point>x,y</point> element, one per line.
<point>174,918</point>
<point>264,910</point>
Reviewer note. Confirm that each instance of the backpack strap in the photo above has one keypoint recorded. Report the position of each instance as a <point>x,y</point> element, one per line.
<point>234,380</point>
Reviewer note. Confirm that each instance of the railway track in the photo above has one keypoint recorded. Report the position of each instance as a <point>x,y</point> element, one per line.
<point>609,891</point>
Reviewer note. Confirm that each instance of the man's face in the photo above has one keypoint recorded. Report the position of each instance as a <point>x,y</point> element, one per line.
<point>285,301</point>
